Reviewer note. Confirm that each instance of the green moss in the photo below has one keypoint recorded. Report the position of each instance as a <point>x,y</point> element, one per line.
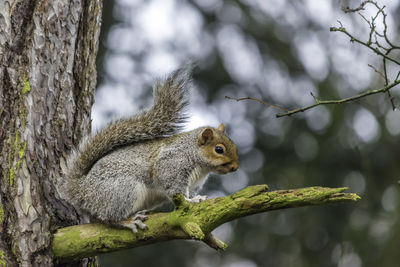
<point>21,152</point>
<point>15,157</point>
<point>14,249</point>
<point>12,176</point>
<point>2,261</point>
<point>27,86</point>
<point>188,220</point>
<point>94,263</point>
<point>113,239</point>
<point>193,230</point>
<point>18,148</point>
<point>1,214</point>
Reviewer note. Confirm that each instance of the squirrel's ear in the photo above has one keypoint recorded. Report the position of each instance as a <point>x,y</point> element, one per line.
<point>221,127</point>
<point>205,136</point>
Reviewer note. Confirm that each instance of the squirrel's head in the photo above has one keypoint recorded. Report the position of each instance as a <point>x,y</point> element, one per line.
<point>219,151</point>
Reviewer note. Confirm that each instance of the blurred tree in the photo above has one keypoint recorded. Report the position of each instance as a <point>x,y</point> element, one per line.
<point>277,51</point>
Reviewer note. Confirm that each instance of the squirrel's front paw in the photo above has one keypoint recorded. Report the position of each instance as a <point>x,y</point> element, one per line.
<point>197,199</point>
<point>136,221</point>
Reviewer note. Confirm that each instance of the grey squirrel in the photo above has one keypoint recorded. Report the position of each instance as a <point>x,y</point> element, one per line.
<point>135,164</point>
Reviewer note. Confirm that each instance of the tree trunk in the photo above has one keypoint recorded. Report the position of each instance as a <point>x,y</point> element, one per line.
<point>47,80</point>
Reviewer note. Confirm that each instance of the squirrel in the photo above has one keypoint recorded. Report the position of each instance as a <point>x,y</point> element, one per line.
<point>137,163</point>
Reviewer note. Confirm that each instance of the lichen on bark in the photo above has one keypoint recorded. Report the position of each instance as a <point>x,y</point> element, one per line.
<point>47,79</point>
<point>15,157</point>
<point>2,262</point>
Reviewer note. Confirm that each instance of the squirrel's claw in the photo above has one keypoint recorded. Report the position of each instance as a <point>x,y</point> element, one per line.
<point>140,215</point>
<point>136,221</point>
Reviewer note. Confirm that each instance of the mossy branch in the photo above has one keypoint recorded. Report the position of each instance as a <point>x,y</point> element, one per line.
<point>188,220</point>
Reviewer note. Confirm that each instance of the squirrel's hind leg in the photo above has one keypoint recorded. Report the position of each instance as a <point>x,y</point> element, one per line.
<point>136,221</point>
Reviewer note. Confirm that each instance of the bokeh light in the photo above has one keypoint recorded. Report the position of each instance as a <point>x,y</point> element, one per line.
<point>280,52</point>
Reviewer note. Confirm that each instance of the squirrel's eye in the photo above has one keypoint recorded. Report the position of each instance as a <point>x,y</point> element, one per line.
<point>219,149</point>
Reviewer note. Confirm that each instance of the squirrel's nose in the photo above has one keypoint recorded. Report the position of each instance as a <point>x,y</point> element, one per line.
<point>234,167</point>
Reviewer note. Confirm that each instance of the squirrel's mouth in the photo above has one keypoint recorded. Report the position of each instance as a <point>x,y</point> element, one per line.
<point>226,168</point>
<point>221,172</point>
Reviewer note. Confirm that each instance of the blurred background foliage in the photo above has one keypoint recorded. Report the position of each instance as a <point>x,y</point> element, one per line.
<point>278,51</point>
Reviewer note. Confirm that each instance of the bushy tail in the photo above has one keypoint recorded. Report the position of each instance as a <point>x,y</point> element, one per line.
<point>164,118</point>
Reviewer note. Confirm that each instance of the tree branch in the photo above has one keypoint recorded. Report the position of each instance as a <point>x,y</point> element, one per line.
<point>353,39</point>
<point>188,220</point>
<point>258,100</point>
<point>382,50</point>
<point>339,101</point>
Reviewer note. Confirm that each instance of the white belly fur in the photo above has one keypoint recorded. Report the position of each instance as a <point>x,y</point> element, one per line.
<point>197,177</point>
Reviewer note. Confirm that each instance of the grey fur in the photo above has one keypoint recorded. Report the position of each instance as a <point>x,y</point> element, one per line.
<point>164,118</point>
<point>127,180</point>
<point>140,162</point>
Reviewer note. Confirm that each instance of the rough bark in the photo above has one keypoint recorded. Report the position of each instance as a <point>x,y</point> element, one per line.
<point>47,79</point>
<point>189,220</point>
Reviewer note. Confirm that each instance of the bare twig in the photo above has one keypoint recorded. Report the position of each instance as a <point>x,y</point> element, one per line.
<point>315,98</point>
<point>379,49</point>
<point>369,23</point>
<point>382,50</point>
<point>340,101</point>
<point>397,77</point>
<point>258,100</point>
<point>391,98</point>
<point>377,71</point>
<point>385,31</point>
<point>373,32</point>
<point>353,39</point>
<point>347,9</point>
